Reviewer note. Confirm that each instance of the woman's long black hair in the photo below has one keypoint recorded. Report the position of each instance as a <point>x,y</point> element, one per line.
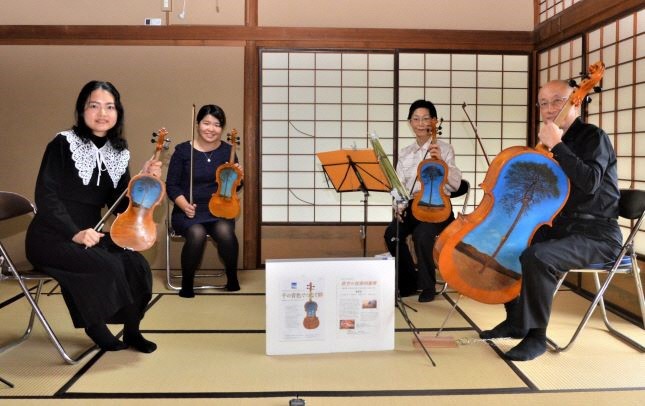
<point>114,134</point>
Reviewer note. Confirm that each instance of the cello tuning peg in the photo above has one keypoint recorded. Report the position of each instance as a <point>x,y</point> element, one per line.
<point>597,89</point>
<point>588,99</point>
<point>572,83</point>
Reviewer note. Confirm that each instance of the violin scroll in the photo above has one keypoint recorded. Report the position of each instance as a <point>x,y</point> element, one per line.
<point>161,140</point>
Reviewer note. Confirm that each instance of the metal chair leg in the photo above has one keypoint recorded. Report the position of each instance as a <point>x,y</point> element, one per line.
<point>610,327</point>
<point>636,273</point>
<point>170,276</point>
<point>36,312</point>
<point>30,325</point>
<point>598,300</point>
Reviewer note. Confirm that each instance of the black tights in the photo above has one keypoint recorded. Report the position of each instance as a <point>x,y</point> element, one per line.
<point>223,234</point>
<point>131,315</point>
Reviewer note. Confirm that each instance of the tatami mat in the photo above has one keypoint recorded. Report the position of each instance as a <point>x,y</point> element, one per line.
<point>212,347</point>
<point>236,363</point>
<point>596,359</point>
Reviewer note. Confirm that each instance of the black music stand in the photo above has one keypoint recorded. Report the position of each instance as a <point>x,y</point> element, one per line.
<point>352,171</point>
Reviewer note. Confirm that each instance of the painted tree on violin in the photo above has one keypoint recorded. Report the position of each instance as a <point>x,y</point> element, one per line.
<point>429,175</point>
<point>527,183</point>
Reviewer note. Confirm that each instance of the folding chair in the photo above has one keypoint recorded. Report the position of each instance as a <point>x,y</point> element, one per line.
<point>13,205</point>
<point>632,207</point>
<point>170,276</point>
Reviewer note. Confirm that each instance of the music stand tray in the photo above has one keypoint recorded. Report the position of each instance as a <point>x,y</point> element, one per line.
<point>351,170</point>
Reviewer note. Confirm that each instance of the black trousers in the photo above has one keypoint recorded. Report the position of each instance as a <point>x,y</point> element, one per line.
<point>570,244</point>
<point>423,235</point>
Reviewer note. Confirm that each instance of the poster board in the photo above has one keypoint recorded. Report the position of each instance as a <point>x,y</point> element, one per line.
<point>329,305</point>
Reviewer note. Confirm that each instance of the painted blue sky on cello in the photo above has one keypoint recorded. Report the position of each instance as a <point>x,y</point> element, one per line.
<point>487,236</point>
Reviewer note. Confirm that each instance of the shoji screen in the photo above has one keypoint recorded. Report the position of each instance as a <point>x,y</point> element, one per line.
<point>315,102</point>
<point>620,108</point>
<point>321,101</point>
<point>549,8</point>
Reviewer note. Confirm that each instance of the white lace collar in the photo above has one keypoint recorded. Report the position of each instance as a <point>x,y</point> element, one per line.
<point>87,156</point>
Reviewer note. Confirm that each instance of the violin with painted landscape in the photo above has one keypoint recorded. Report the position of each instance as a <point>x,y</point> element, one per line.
<point>135,228</point>
<point>224,203</point>
<point>431,204</point>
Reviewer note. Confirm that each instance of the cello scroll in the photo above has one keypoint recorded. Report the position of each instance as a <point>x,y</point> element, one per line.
<point>575,99</point>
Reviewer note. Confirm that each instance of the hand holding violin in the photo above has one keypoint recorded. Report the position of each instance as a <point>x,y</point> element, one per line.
<point>434,151</point>
<point>88,237</point>
<point>550,135</point>
<point>152,167</point>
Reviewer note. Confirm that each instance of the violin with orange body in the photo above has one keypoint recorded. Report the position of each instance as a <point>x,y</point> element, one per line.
<point>524,189</point>
<point>224,203</point>
<point>135,228</point>
<point>431,204</point>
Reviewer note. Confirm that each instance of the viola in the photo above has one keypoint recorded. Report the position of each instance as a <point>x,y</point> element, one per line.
<point>224,203</point>
<point>524,189</point>
<point>310,321</point>
<point>135,228</point>
<point>431,204</point>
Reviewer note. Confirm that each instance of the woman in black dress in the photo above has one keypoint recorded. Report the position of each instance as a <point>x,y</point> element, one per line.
<point>83,170</point>
<point>194,221</point>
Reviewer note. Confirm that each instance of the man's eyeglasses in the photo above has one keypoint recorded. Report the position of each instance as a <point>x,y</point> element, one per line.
<point>555,103</point>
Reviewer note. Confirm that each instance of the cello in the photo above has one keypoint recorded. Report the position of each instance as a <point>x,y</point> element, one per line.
<point>224,203</point>
<point>524,189</point>
<point>431,204</point>
<point>135,228</point>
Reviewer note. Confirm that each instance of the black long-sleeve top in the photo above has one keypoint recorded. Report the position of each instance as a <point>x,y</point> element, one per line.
<point>589,161</point>
<point>66,203</point>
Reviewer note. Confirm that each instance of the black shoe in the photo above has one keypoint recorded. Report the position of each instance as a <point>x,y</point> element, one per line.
<point>407,292</point>
<point>188,293</point>
<point>104,338</point>
<point>427,295</point>
<point>529,348</point>
<point>232,286</point>
<point>139,343</point>
<point>503,329</point>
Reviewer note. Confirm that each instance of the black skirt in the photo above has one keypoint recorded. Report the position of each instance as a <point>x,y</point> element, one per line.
<point>96,282</point>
